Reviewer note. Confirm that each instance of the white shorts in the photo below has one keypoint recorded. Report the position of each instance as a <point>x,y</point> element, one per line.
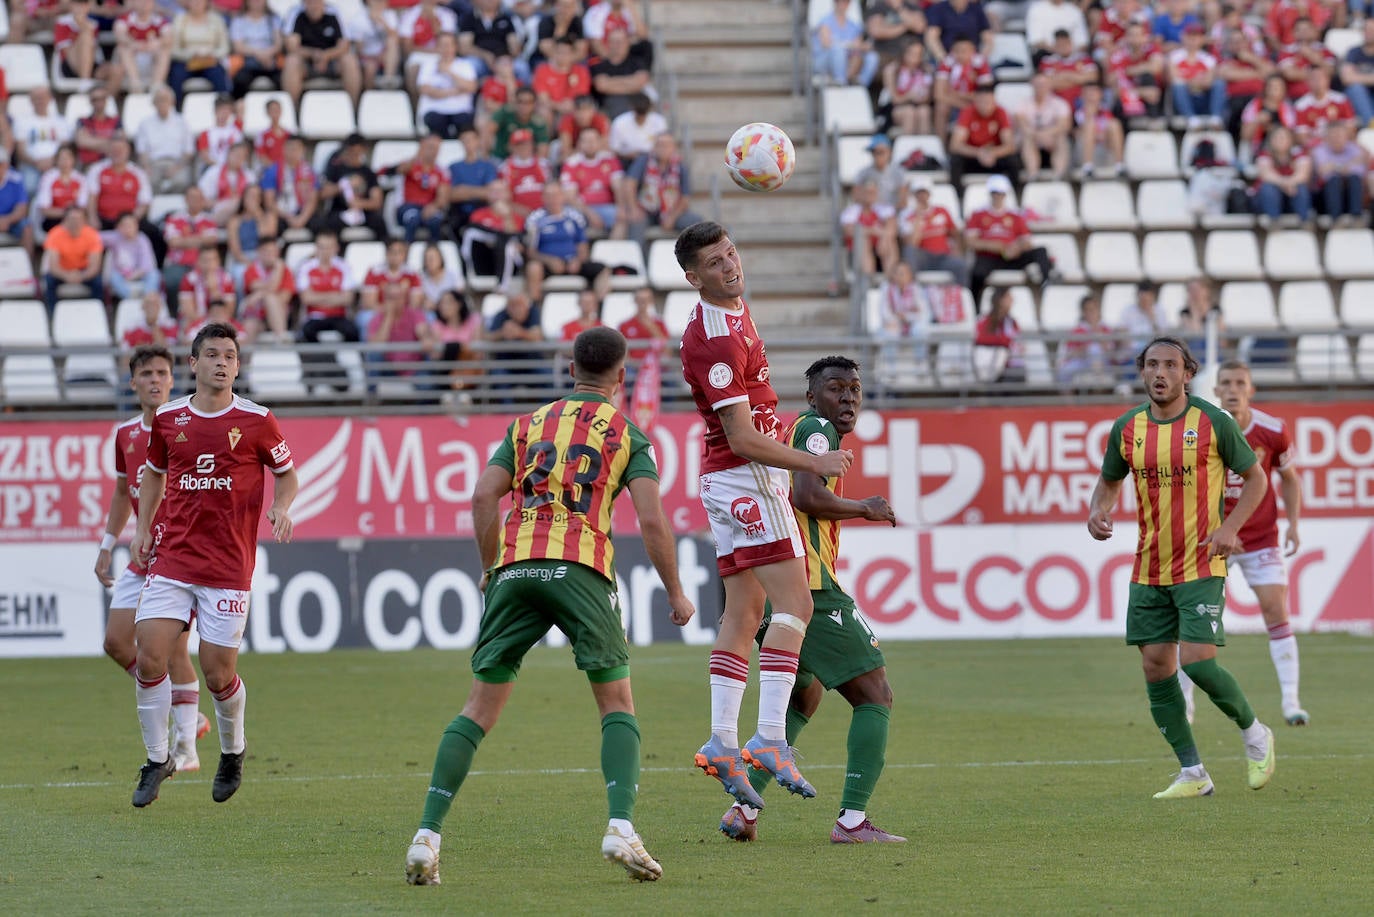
<point>1264,567</point>
<point>751,517</point>
<point>126,589</point>
<point>220,613</point>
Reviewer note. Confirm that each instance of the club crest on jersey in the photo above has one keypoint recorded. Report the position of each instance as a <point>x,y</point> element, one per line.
<point>235,434</point>
<point>747,514</point>
<point>720,375</point>
<point>181,438</point>
<point>1190,438</point>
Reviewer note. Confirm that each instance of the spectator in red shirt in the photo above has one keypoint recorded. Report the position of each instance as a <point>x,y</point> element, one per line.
<point>929,237</point>
<point>424,194</point>
<point>1000,240</point>
<point>75,42</point>
<point>1283,178</point>
<point>392,280</point>
<point>594,180</point>
<point>1266,111</point>
<point>186,233</point>
<point>491,240</point>
<point>268,288</point>
<point>983,140</point>
<point>956,82</point>
<point>584,114</point>
<point>524,173</point>
<point>61,187</point>
<point>1306,53</point>
<point>1069,70</point>
<point>1199,94</point>
<point>143,40</point>
<point>997,343</point>
<point>1090,350</point>
<point>1321,106</point>
<point>1281,25</point>
<point>327,289</point>
<point>156,328</point>
<point>1244,69</point>
<point>870,230</point>
<point>270,147</point>
<point>95,131</point>
<point>588,315</point>
<point>207,283</point>
<point>559,81</point>
<point>117,187</point>
<point>645,326</point>
<point>1136,69</point>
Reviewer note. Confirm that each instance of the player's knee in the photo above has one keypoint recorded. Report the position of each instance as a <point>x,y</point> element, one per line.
<point>119,649</point>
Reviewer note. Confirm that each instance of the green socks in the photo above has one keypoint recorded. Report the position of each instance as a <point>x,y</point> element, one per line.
<point>1221,686</point>
<point>867,748</point>
<point>1170,714</point>
<point>620,763</point>
<point>796,721</point>
<point>451,765</point>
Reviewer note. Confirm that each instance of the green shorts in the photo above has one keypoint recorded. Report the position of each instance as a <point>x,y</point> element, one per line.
<point>839,646</point>
<point>525,599</point>
<point>1187,613</point>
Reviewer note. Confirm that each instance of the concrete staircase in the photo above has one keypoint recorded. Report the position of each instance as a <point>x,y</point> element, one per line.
<point>732,60</point>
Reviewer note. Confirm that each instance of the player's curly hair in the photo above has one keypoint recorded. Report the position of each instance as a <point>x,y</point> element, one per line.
<point>1190,362</point>
<point>815,370</point>
<point>597,352</point>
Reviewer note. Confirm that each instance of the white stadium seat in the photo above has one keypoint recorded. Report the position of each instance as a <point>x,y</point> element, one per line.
<point>947,196</point>
<point>976,197</point>
<point>16,274</point>
<point>1063,248</point>
<point>1306,305</point>
<point>905,145</point>
<point>24,323</point>
<point>1169,256</point>
<point>1054,202</point>
<point>677,310</point>
<point>1011,48</point>
<point>1039,367</point>
<point>848,110</point>
<point>816,10</point>
<point>1349,253</point>
<point>1232,254</point>
<point>26,378</point>
<point>852,157</point>
<point>363,257</point>
<point>297,253</point>
<point>1357,304</point>
<point>555,311</point>
<point>1151,154</point>
<point>137,106</point>
<point>1221,141</point>
<point>1011,96</point>
<point>387,153</point>
<point>25,67</point>
<point>1116,298</point>
<point>621,253</point>
<point>198,111</point>
<point>1323,358</point>
<point>1106,205</point>
<point>1059,307</point>
<point>1163,204</point>
<point>18,106</point>
<point>1112,257</point>
<point>79,106</point>
<point>1291,254</point>
<point>1340,41</point>
<point>255,112</point>
<point>1247,305</point>
<point>617,308</point>
<point>384,113</point>
<point>275,372</point>
<point>664,271</point>
<point>327,114</point>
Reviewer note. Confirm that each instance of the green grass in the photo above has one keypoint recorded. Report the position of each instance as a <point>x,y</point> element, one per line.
<point>1022,772</point>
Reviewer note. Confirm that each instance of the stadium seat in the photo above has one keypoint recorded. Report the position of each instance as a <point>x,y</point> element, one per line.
<point>1053,201</point>
<point>1011,96</point>
<point>63,85</point>
<point>677,310</point>
<point>17,107</point>
<point>1357,304</point>
<point>1011,50</point>
<point>275,373</point>
<point>1339,41</point>
<point>24,323</point>
<point>1106,205</point>
<point>452,259</point>
<point>1349,253</point>
<point>664,271</point>
<point>255,112</point>
<point>129,314</point>
<point>86,377</point>
<point>164,204</point>
<point>1323,358</point>
<point>327,114</point>
<point>1151,154</point>
<point>1116,298</point>
<point>450,151</point>
<point>905,145</point>
<point>555,311</point>
<point>388,153</point>
<point>137,106</point>
<point>79,106</point>
<point>363,257</point>
<point>1248,306</point>
<point>617,308</point>
<point>953,363</point>
<point>1059,307</point>
<point>80,321</point>
<point>492,303</point>
<point>1113,257</point>
<point>1232,254</point>
<point>297,253</point>
<point>1291,254</point>
<point>1221,141</point>
<point>976,197</point>
<point>1063,248</point>
<point>1039,367</point>
<point>25,67</point>
<point>16,274</point>
<point>319,159</point>
<point>1306,305</point>
<point>621,253</point>
<point>1364,357</point>
<point>1169,256</point>
<point>1022,307</point>
<point>851,156</point>
<point>385,113</point>
<point>198,111</point>
<point>816,10</point>
<point>565,283</point>
<point>29,379</point>
<point>1163,204</point>
<point>944,195</point>
<point>848,110</point>
<point>873,310</point>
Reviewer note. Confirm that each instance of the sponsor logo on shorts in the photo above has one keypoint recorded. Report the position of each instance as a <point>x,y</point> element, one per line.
<point>543,574</point>
<point>747,514</point>
<point>720,375</point>
<point>817,443</point>
<point>233,606</point>
<point>1208,610</point>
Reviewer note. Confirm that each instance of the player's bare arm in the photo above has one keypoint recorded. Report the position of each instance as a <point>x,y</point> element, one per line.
<point>1100,505</point>
<point>1290,488</point>
<point>279,514</point>
<point>1225,540</point>
<point>120,508</point>
<point>150,491</point>
<point>660,545</point>
<point>811,496</point>
<point>751,445</point>
<point>492,486</point>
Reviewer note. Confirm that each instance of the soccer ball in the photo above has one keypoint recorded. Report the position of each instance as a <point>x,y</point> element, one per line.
<point>760,157</point>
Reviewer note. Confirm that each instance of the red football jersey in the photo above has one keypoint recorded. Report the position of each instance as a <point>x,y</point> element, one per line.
<point>206,530</point>
<point>214,143</point>
<point>325,278</point>
<point>964,77</point>
<point>119,191</point>
<point>180,225</point>
<point>66,192</point>
<point>143,334</point>
<point>931,229</point>
<point>271,146</point>
<point>634,330</point>
<point>559,86</point>
<point>1074,63</point>
<point>390,285</point>
<point>422,183</point>
<point>131,448</point>
<point>1313,114</point>
<point>256,273</point>
<point>202,291</point>
<point>1190,68</point>
<point>724,363</point>
<point>97,125</point>
<point>526,179</point>
<point>998,227</point>
<point>143,30</point>
<point>982,131</point>
<point>1274,448</point>
<point>594,179</point>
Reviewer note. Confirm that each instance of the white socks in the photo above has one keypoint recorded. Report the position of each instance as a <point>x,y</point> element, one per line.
<point>229,705</point>
<point>851,818</point>
<point>186,713</point>
<point>154,706</point>
<point>424,834</point>
<point>1284,652</point>
<point>623,826</point>
<point>729,674</point>
<point>777,676</point>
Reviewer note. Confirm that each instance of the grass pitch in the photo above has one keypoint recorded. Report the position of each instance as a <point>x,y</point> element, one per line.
<point>1021,771</point>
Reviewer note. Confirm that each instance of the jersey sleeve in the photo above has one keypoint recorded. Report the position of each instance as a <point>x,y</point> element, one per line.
<point>504,456</point>
<point>1232,446</point>
<point>643,463</point>
<point>815,435</point>
<point>1114,467</point>
<point>272,448</point>
<point>1285,452</point>
<point>719,364</point>
<point>157,447</point>
<point>121,466</point>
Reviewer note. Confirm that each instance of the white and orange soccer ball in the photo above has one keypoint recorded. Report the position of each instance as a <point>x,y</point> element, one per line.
<point>760,157</point>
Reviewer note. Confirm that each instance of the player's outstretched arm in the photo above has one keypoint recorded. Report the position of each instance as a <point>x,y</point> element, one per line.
<point>811,496</point>
<point>284,489</point>
<point>1290,487</point>
<point>749,444</point>
<point>660,545</point>
<point>120,508</point>
<point>150,490</point>
<point>1225,540</point>
<point>1100,508</point>
<point>494,483</point>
